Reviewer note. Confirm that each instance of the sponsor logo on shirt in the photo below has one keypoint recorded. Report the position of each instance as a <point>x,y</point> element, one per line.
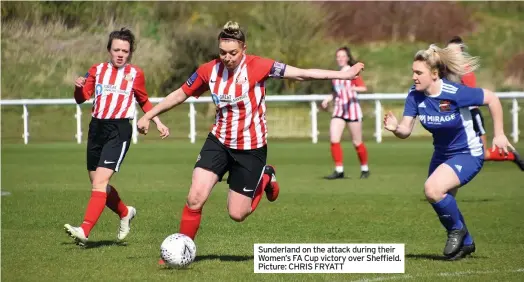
<point>445,106</point>
<point>99,89</point>
<point>425,119</point>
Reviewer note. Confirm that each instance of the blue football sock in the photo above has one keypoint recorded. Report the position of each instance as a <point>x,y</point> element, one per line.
<point>468,240</point>
<point>448,213</point>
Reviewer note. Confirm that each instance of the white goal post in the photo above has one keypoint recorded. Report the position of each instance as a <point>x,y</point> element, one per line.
<point>313,99</point>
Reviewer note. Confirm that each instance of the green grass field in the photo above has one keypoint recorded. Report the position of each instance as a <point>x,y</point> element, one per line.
<point>49,187</point>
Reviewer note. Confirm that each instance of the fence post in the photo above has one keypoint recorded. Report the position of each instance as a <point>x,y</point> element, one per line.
<point>192,122</point>
<point>25,116</point>
<point>135,132</point>
<point>378,121</point>
<point>78,117</point>
<point>515,122</point>
<point>314,122</point>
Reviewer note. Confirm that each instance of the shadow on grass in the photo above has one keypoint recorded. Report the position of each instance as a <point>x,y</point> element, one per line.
<point>99,244</point>
<point>459,200</point>
<point>437,257</point>
<point>224,258</point>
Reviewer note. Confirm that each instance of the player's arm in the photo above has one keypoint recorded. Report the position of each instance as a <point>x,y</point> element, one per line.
<point>320,74</point>
<point>194,86</point>
<point>172,100</point>
<point>405,127</point>
<point>271,68</point>
<point>85,86</point>
<point>140,92</point>
<point>495,108</point>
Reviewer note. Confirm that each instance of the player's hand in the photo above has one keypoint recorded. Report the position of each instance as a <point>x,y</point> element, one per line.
<point>324,104</point>
<point>501,143</point>
<point>80,81</point>
<point>390,122</point>
<point>164,130</point>
<point>355,70</point>
<point>143,125</point>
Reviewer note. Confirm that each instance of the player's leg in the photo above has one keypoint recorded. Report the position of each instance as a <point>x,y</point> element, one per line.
<point>113,156</point>
<point>355,128</point>
<point>336,128</point>
<point>468,245</point>
<point>248,179</point>
<point>212,163</point>
<point>93,152</point>
<point>439,188</point>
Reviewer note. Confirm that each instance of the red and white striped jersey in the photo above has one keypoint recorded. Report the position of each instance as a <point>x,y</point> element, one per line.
<point>116,91</point>
<point>346,104</point>
<point>239,96</point>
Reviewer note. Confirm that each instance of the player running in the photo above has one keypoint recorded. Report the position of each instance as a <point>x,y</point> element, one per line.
<point>470,80</point>
<point>442,108</point>
<point>117,85</point>
<point>346,111</point>
<point>237,142</point>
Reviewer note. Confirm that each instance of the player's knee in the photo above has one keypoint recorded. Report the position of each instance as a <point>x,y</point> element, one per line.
<point>197,197</point>
<point>238,215</point>
<point>196,200</point>
<point>357,142</point>
<point>432,193</point>
<point>335,139</point>
<point>99,184</point>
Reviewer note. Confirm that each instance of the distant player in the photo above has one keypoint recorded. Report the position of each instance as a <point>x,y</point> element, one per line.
<point>116,86</point>
<point>470,80</point>
<point>443,109</point>
<point>346,111</point>
<point>237,142</point>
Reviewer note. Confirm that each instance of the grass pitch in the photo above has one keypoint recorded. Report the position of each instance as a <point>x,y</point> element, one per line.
<point>49,187</point>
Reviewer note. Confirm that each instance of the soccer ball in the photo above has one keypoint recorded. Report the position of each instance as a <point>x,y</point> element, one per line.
<point>177,250</point>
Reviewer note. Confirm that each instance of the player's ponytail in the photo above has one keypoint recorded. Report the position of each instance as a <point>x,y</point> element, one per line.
<point>232,30</point>
<point>451,63</point>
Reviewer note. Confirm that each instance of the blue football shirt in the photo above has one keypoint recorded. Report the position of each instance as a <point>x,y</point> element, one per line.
<point>447,117</point>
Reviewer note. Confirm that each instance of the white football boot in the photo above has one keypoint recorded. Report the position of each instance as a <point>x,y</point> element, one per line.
<point>125,223</point>
<point>77,233</point>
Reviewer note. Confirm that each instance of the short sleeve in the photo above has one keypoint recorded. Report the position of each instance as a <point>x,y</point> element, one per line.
<point>358,82</point>
<point>195,84</point>
<point>468,96</point>
<point>410,106</point>
<point>270,68</point>
<point>469,80</point>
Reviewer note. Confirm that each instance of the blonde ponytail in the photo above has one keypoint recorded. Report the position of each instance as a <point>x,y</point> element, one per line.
<point>451,63</point>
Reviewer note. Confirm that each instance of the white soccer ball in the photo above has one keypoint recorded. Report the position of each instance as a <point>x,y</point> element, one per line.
<point>177,250</point>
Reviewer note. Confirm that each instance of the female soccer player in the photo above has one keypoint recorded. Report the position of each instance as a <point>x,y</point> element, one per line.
<point>442,108</point>
<point>470,80</point>
<point>116,84</point>
<point>346,111</point>
<point>237,142</point>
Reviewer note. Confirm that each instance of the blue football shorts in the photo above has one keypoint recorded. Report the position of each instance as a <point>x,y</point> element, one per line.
<point>466,166</point>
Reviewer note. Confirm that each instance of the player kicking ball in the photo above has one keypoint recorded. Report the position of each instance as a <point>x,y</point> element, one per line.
<point>237,142</point>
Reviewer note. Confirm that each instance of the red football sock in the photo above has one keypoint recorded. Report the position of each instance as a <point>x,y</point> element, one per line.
<point>115,203</point>
<point>336,153</point>
<point>495,156</point>
<point>95,207</point>
<point>190,221</point>
<point>362,153</point>
<point>260,191</point>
